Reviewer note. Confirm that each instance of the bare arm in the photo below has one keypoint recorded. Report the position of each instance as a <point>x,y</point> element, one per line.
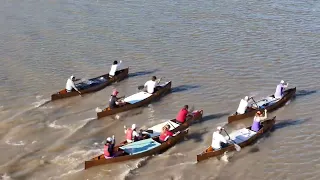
<point>74,87</point>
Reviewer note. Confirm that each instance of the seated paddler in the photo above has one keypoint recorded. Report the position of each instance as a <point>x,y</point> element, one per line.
<point>131,134</point>
<point>165,133</point>
<point>243,105</point>
<point>70,84</point>
<point>109,147</point>
<point>151,85</point>
<point>183,114</point>
<point>218,140</point>
<point>114,68</point>
<point>280,89</point>
<point>114,101</point>
<point>256,126</point>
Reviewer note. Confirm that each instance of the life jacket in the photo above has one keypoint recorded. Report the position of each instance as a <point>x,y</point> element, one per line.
<point>165,135</point>
<point>129,134</point>
<point>108,150</point>
<point>182,115</point>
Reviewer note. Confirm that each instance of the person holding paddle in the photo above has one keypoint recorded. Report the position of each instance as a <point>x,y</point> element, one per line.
<point>165,133</point>
<point>114,101</point>
<point>218,141</point>
<point>280,89</point>
<point>70,84</point>
<point>243,105</point>
<point>257,119</point>
<point>114,68</point>
<point>151,85</point>
<point>182,115</point>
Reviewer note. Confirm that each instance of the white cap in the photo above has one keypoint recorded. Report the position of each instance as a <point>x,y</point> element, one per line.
<point>246,98</point>
<point>282,81</point>
<point>109,139</point>
<point>219,128</point>
<point>71,77</point>
<point>133,126</point>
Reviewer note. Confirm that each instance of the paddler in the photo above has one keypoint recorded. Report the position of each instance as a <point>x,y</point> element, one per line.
<point>114,68</point>
<point>131,134</point>
<point>182,115</point>
<point>114,101</point>
<point>218,141</point>
<point>151,85</point>
<point>243,105</point>
<point>280,89</point>
<point>257,119</point>
<point>70,84</point>
<point>109,147</point>
<point>165,133</point>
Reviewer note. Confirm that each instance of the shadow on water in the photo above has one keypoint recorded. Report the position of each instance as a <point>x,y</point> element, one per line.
<point>183,88</point>
<point>289,122</point>
<point>213,116</point>
<point>301,93</point>
<point>197,136</point>
<point>142,73</point>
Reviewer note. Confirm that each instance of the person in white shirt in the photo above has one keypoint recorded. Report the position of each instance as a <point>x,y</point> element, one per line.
<point>243,105</point>
<point>218,141</point>
<point>70,84</point>
<point>151,85</point>
<point>131,134</point>
<point>114,68</point>
<point>280,89</point>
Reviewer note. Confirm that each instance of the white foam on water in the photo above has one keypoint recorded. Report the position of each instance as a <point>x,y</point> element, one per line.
<point>56,126</point>
<point>66,174</point>
<point>40,102</point>
<point>20,143</point>
<point>126,174</point>
<point>6,177</point>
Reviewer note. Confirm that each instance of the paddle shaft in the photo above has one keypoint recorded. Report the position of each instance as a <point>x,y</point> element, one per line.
<point>255,102</point>
<point>238,148</point>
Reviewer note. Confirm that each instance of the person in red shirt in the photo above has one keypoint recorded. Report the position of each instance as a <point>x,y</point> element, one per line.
<point>166,133</point>
<point>182,115</point>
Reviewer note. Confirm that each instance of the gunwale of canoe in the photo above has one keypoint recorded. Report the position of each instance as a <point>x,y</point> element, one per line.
<point>290,94</point>
<point>119,77</point>
<point>267,126</point>
<point>161,92</point>
<point>99,160</point>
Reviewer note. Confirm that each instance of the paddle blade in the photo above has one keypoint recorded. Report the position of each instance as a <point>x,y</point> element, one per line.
<point>238,148</point>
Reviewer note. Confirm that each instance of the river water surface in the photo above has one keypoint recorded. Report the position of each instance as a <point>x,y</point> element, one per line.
<point>215,52</point>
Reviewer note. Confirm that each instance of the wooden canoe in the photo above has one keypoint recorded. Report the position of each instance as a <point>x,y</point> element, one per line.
<point>92,85</point>
<point>266,127</point>
<point>250,112</point>
<point>165,88</point>
<point>174,126</point>
<point>99,160</point>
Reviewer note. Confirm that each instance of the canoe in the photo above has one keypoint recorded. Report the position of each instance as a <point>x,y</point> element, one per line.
<point>174,126</point>
<point>92,85</point>
<point>139,149</point>
<point>243,137</point>
<point>137,100</point>
<point>269,103</point>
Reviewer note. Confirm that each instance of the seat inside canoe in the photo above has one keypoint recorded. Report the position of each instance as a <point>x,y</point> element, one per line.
<point>158,128</point>
<point>265,102</point>
<point>241,135</point>
<point>137,97</point>
<point>140,146</point>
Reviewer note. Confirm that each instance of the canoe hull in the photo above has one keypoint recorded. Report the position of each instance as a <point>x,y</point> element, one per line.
<point>119,77</point>
<point>251,112</point>
<point>267,126</point>
<point>99,160</point>
<point>161,92</point>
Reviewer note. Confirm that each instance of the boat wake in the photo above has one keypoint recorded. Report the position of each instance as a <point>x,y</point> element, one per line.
<point>20,143</point>
<point>6,177</point>
<point>130,170</point>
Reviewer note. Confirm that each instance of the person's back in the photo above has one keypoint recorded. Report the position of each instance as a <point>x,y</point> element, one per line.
<point>257,119</point>
<point>109,148</point>
<point>131,134</point>
<point>70,84</point>
<point>280,89</point>
<point>151,84</point>
<point>243,105</point>
<point>112,102</point>
<point>218,141</point>
<point>182,115</point>
<point>115,66</point>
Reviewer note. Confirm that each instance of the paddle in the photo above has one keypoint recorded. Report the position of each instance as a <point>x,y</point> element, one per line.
<point>238,148</point>
<point>254,102</point>
<point>141,87</point>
